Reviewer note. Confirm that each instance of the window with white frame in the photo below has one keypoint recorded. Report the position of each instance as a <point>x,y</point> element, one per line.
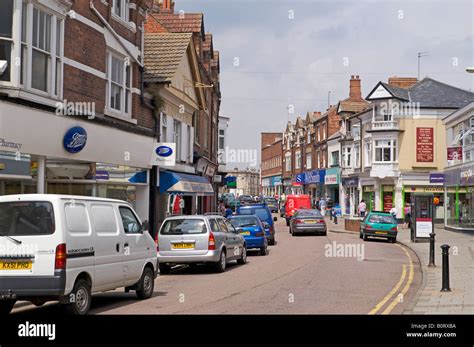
<point>119,84</point>
<point>177,137</point>
<point>309,136</point>
<point>308,161</point>
<point>324,160</point>
<point>335,158</point>
<point>367,154</point>
<point>385,150</point>
<point>221,139</point>
<point>318,160</point>
<point>287,162</point>
<point>324,131</point>
<point>120,8</point>
<point>164,127</point>
<point>298,160</point>
<point>39,39</point>
<point>356,156</point>
<point>319,133</point>
<point>347,156</point>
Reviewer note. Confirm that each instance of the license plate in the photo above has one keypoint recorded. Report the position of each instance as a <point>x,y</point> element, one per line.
<point>381,232</point>
<point>245,233</point>
<point>183,245</point>
<point>16,265</point>
<point>310,221</point>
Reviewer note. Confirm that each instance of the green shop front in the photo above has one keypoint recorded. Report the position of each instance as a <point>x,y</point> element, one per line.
<point>459,198</point>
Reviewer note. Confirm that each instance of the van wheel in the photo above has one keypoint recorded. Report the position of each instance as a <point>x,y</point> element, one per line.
<point>82,297</point>
<point>147,284</point>
<point>6,306</point>
<point>222,263</point>
<point>243,258</point>
<point>287,223</point>
<point>164,269</point>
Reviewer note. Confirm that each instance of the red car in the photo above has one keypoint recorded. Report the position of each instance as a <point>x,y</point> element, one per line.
<point>295,202</point>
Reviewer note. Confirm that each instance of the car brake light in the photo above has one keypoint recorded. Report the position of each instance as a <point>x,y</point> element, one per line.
<point>60,257</point>
<point>299,221</point>
<point>321,221</point>
<point>394,229</point>
<point>212,242</point>
<point>368,226</point>
<point>156,243</point>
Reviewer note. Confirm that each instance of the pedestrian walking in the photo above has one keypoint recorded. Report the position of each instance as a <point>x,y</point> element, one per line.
<point>407,211</point>
<point>322,206</point>
<point>228,211</point>
<point>393,212</point>
<point>222,208</point>
<point>362,209</point>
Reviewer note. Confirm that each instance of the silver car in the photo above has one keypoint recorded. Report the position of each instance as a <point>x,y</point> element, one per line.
<point>199,239</point>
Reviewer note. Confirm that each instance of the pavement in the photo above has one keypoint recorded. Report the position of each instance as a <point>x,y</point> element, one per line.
<point>429,299</point>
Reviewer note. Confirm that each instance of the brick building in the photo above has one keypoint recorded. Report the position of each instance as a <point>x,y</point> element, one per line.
<point>163,18</point>
<point>271,167</point>
<point>77,86</point>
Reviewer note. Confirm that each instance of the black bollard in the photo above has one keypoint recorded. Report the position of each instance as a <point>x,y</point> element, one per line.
<point>445,287</point>
<point>432,250</point>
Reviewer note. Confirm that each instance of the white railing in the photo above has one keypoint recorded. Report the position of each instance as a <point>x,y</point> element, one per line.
<point>384,125</point>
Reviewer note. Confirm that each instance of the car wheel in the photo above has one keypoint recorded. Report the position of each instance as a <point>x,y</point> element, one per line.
<point>325,233</point>
<point>393,240</point>
<point>81,299</point>
<point>164,269</point>
<point>222,263</point>
<point>364,237</point>
<point>287,223</point>
<point>243,258</point>
<point>264,250</point>
<point>272,241</point>
<point>6,306</point>
<point>360,234</point>
<point>147,284</point>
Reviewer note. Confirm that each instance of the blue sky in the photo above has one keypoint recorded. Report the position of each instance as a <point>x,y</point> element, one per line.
<point>297,60</point>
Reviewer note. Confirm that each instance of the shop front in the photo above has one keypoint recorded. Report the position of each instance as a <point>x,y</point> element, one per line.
<point>331,182</point>
<point>368,195</point>
<point>459,198</point>
<point>314,184</point>
<point>350,196</point>
<point>387,194</point>
<point>272,186</point>
<point>41,152</point>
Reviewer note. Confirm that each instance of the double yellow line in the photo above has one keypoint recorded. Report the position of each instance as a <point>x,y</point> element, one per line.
<point>395,289</point>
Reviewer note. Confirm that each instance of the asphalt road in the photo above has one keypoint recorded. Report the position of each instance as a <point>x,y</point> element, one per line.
<point>333,274</point>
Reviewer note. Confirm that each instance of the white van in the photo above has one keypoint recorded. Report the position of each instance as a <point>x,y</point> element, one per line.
<point>64,248</point>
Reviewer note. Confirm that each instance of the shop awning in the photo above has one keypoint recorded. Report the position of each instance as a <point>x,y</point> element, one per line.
<point>181,183</point>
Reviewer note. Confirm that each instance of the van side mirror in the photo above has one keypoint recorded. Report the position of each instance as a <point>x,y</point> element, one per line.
<point>145,226</point>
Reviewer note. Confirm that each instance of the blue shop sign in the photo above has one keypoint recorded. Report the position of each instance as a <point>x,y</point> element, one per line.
<point>75,140</point>
<point>351,181</point>
<point>315,176</point>
<point>436,178</point>
<point>300,178</point>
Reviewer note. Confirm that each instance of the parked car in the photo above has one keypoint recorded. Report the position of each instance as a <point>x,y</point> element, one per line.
<point>307,221</point>
<point>246,199</point>
<point>272,204</point>
<point>199,239</point>
<point>263,212</point>
<point>66,248</point>
<point>379,224</point>
<point>295,202</point>
<point>253,230</point>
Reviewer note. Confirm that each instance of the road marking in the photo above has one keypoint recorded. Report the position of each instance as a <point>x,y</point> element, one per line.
<point>392,292</point>
<point>407,285</point>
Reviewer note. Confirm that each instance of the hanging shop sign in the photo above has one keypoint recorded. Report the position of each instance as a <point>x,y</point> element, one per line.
<point>454,153</point>
<point>332,176</point>
<point>424,145</point>
<point>164,154</point>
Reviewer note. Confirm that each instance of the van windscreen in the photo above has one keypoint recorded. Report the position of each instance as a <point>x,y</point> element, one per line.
<point>183,226</point>
<point>26,218</point>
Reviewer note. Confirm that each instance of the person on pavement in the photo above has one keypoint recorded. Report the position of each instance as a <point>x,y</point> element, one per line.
<point>362,208</point>
<point>407,211</point>
<point>393,212</point>
<point>228,211</point>
<point>322,205</point>
<point>222,208</point>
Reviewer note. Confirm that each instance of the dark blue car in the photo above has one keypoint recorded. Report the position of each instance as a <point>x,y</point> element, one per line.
<point>251,228</point>
<point>263,212</point>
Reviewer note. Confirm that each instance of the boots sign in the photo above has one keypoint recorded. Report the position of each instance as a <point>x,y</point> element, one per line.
<point>164,154</point>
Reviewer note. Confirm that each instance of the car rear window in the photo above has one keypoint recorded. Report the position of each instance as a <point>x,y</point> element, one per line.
<point>310,213</point>
<point>261,213</point>
<point>376,218</point>
<point>272,200</point>
<point>26,218</point>
<point>242,222</point>
<point>183,226</point>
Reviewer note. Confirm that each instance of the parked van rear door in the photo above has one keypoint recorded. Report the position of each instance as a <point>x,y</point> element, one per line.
<point>28,238</point>
<point>109,247</point>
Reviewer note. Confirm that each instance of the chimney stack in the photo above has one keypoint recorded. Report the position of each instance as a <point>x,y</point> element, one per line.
<point>402,82</point>
<point>355,92</point>
<point>165,6</point>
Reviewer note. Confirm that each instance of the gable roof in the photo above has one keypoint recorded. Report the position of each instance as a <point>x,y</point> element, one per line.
<point>352,106</point>
<point>163,54</point>
<point>185,23</point>
<point>430,93</point>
